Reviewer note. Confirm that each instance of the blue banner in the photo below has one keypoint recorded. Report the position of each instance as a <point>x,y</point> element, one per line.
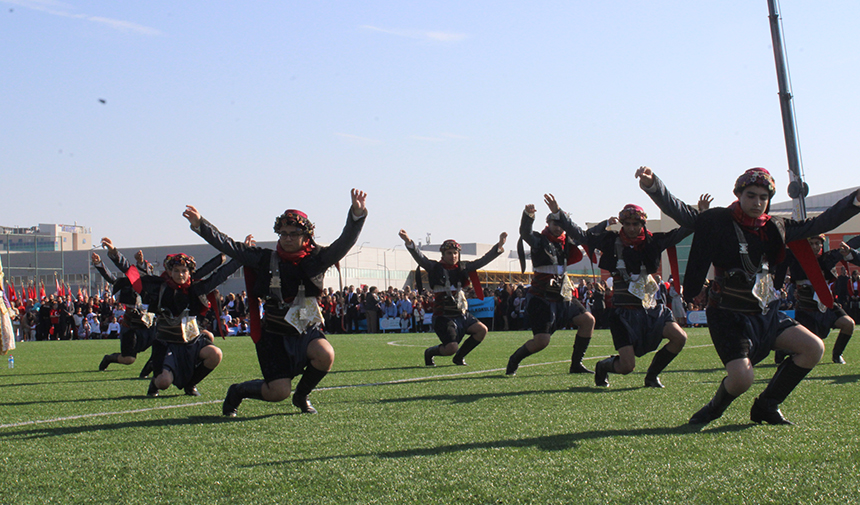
<point>482,309</point>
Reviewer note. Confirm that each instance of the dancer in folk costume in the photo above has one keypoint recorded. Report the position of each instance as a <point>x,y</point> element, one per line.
<point>289,340</point>
<point>637,322</point>
<point>448,278</point>
<point>550,303</point>
<point>810,311</point>
<point>741,242</point>
<point>183,355</point>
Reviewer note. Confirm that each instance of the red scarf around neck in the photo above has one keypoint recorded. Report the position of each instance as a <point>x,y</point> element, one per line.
<point>574,255</point>
<point>552,238</point>
<point>172,284</point>
<point>637,241</point>
<point>753,225</point>
<point>295,257</point>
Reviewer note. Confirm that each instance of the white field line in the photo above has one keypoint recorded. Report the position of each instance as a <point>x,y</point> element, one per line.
<point>385,383</point>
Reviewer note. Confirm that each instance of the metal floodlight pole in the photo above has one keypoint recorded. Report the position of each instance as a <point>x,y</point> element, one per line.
<point>797,189</point>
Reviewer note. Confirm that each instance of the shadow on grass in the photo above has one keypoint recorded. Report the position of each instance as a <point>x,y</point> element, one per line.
<point>144,384</point>
<point>363,370</point>
<point>837,379</point>
<point>470,398</point>
<point>560,442</point>
<point>152,423</point>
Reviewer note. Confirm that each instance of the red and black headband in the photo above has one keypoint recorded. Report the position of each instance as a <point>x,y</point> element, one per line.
<point>174,260</point>
<point>297,218</point>
<point>755,177</point>
<point>632,212</point>
<point>449,245</point>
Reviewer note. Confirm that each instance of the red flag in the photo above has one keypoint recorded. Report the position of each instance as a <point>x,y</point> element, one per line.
<point>32,292</point>
<point>57,284</point>
<point>41,290</point>
<point>14,297</point>
<point>23,292</point>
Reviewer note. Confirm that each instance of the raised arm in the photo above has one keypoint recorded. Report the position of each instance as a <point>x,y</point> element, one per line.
<point>115,256</point>
<point>245,254</point>
<point>841,211</point>
<point>527,225</point>
<point>217,278</point>
<point>102,270</point>
<point>349,236</point>
<point>492,254</point>
<point>683,214</point>
<point>423,261</point>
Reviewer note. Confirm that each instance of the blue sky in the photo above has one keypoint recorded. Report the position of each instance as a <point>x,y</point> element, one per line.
<point>452,115</point>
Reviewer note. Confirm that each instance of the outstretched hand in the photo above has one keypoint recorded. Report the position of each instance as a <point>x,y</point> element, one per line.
<point>405,237</point>
<point>551,202</point>
<point>192,215</point>
<point>612,220</point>
<point>95,259</point>
<point>359,200</point>
<point>503,237</point>
<point>250,242</point>
<point>108,244</point>
<point>705,202</point>
<point>530,209</point>
<point>645,176</point>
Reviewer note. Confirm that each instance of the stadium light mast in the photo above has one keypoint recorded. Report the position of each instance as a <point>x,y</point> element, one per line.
<point>797,189</point>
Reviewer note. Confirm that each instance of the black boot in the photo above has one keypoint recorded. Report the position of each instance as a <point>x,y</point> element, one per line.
<point>152,391</point>
<point>601,371</point>
<point>238,392</point>
<point>429,353</point>
<point>465,349</point>
<point>107,360</point>
<point>200,373</point>
<point>661,360</point>
<point>715,408</point>
<point>580,344</point>
<point>839,348</point>
<point>766,406</point>
<point>514,361</point>
<point>310,378</point>
<point>147,369</point>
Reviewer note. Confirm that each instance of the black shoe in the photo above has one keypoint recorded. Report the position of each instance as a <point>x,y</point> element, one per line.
<point>653,382</point>
<point>104,364</point>
<point>839,360</point>
<point>764,411</point>
<point>459,361</point>
<point>152,391</point>
<point>705,415</point>
<point>579,368</point>
<point>511,369</point>
<point>601,375</point>
<point>428,358</point>
<point>192,391</point>
<point>230,408</point>
<point>304,404</point>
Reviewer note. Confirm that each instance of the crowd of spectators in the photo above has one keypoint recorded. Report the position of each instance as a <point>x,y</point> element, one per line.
<point>359,310</point>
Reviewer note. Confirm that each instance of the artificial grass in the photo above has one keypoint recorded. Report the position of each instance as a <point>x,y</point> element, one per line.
<point>392,431</point>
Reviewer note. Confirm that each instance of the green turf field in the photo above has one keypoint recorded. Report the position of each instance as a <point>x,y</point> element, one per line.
<point>393,431</point>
